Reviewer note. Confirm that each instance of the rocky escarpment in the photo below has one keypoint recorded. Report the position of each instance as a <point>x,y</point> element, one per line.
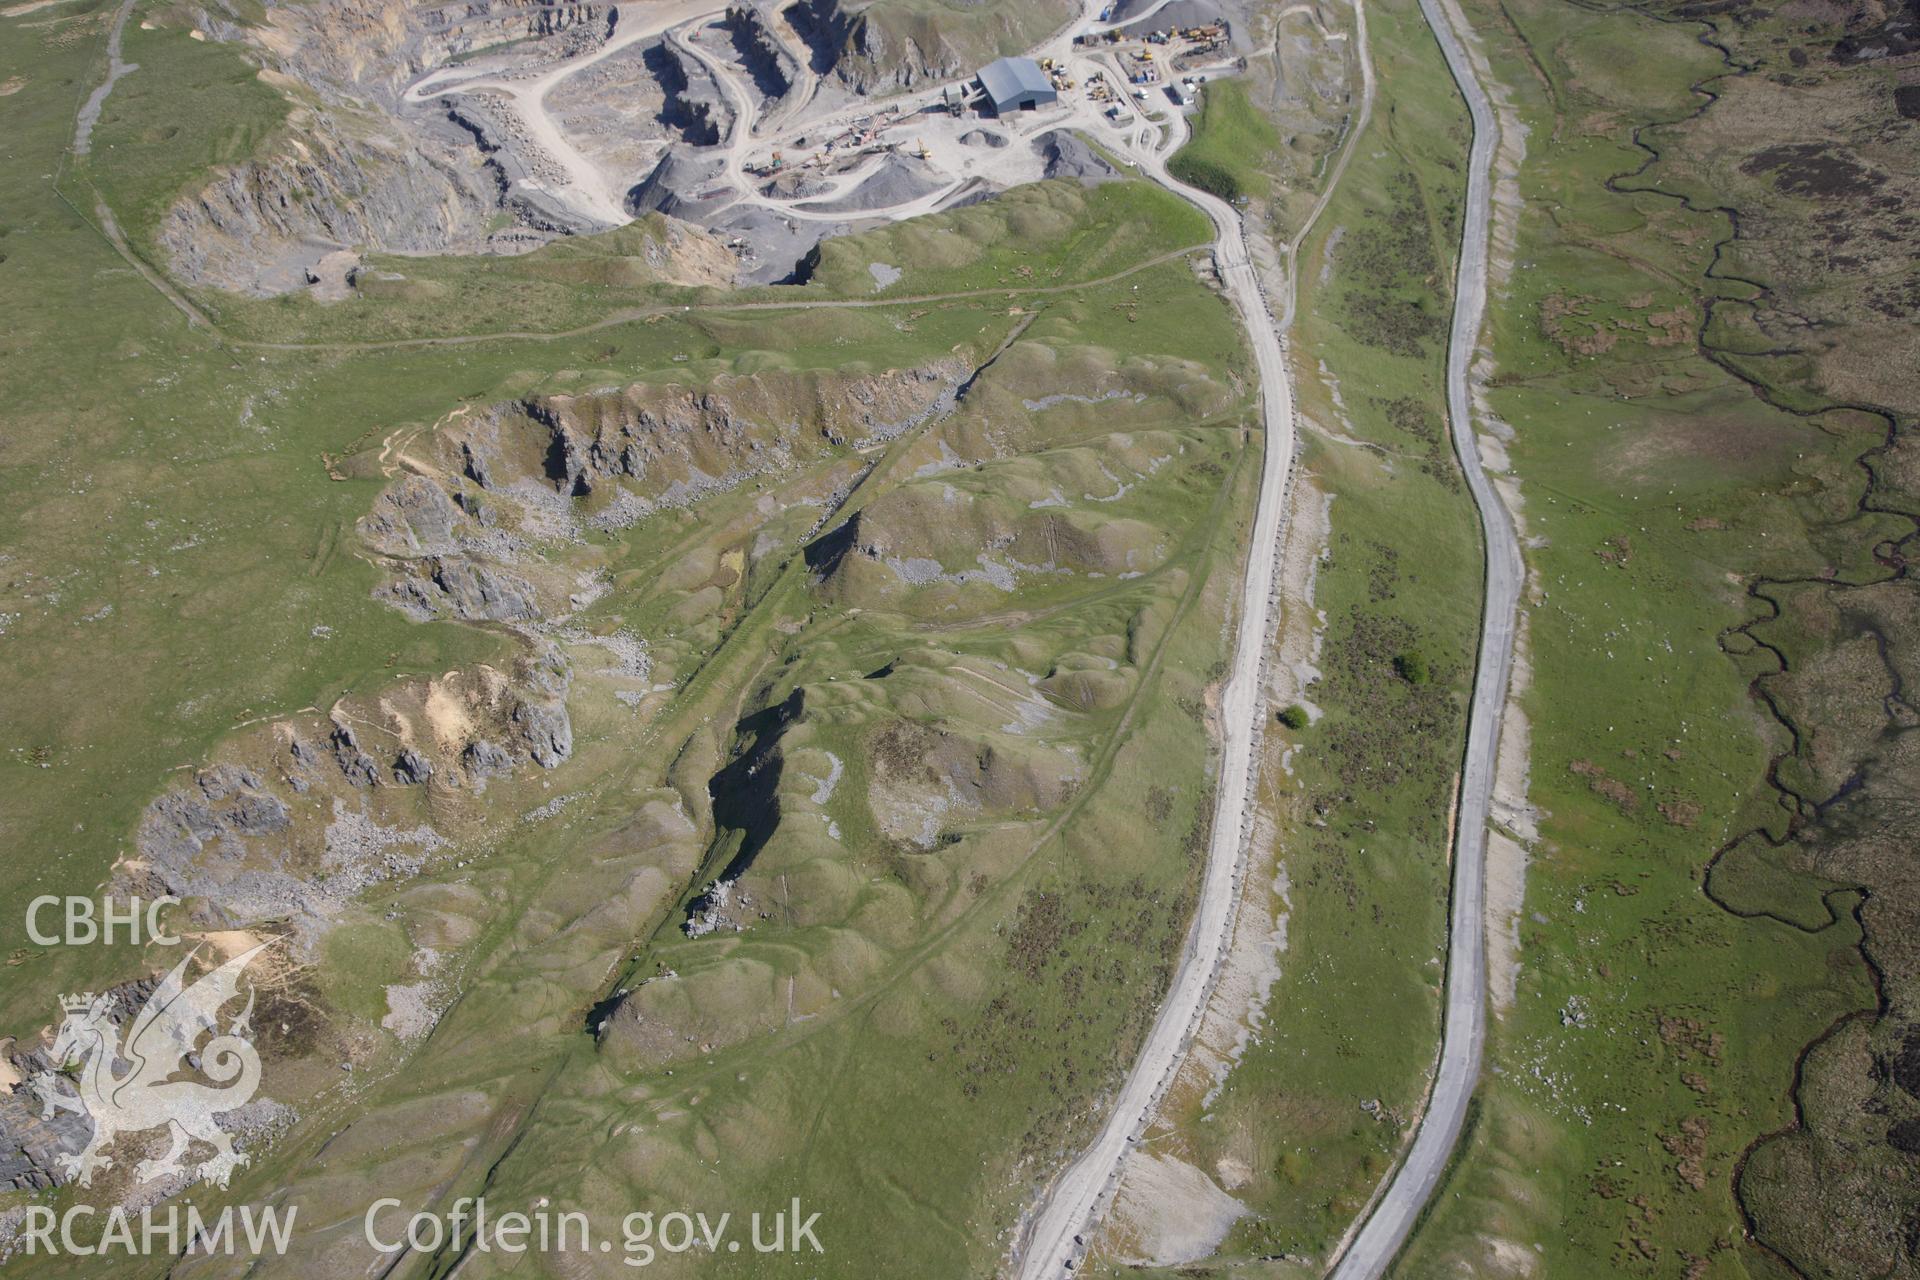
<point>356,166</point>
<point>876,47</point>
<point>31,1142</point>
<point>480,532</point>
<point>694,106</point>
<point>308,818</point>
<point>372,49</point>
<point>257,227</point>
<point>299,820</point>
<point>450,562</point>
<point>828,29</point>
<point>652,446</point>
<point>766,61</point>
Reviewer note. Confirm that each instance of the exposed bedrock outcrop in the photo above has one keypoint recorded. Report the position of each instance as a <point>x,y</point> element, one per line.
<point>371,49</point>
<point>668,443</point>
<point>874,50</point>
<point>307,813</point>
<point>447,562</point>
<point>354,166</point>
<point>761,54</point>
<point>31,1141</point>
<point>255,227</point>
<point>828,30</point>
<point>452,587</point>
<point>300,817</point>
<point>695,107</point>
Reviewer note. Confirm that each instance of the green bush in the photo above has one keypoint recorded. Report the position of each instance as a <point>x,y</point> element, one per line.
<point>1294,717</point>
<point>1411,666</point>
<point>1208,175</point>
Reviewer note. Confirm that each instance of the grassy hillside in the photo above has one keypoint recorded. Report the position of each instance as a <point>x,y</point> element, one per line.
<point>1359,783</point>
<point>1232,149</point>
<point>924,676</point>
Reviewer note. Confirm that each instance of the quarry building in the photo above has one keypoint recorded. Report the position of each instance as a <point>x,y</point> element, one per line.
<point>1017,84</point>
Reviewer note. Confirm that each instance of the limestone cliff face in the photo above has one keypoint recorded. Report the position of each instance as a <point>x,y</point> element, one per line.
<point>873,46</point>
<point>656,446</point>
<point>376,47</point>
<point>354,165</point>
<point>252,226</point>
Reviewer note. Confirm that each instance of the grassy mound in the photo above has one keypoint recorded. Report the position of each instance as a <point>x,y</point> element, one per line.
<point>1232,147</point>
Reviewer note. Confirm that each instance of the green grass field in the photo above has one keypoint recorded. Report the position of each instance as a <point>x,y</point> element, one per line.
<point>1641,1112</point>
<point>933,692</point>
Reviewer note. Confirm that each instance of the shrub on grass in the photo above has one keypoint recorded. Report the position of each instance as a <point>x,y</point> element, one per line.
<point>1208,175</point>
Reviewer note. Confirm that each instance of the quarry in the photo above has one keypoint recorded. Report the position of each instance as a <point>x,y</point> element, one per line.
<point>730,120</point>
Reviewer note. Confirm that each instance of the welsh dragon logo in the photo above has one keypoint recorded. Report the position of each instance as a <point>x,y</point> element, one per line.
<point>125,1084</point>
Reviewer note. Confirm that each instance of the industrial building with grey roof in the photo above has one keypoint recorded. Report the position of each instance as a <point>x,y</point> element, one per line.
<point>1017,84</point>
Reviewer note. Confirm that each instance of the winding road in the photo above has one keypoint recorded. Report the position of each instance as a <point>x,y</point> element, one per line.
<point>1464,1029</point>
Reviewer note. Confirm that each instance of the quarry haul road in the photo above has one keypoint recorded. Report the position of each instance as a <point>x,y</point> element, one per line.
<point>1377,1243</point>
<point>586,188</point>
<point>1052,1242</point>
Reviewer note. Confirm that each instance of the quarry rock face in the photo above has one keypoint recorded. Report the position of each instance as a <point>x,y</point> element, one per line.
<point>356,166</point>
<point>360,165</point>
<point>874,50</point>
<point>255,226</point>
